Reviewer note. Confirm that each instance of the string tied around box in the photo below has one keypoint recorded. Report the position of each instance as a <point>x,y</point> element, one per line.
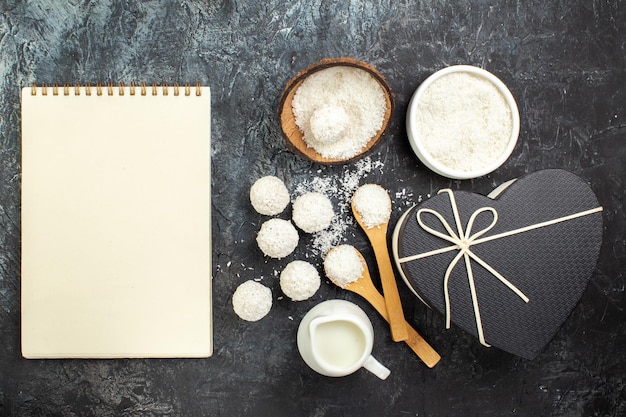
<point>463,239</point>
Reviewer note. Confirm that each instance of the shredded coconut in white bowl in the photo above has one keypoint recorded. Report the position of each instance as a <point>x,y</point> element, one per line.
<point>252,301</point>
<point>299,280</point>
<point>343,265</point>
<point>269,195</point>
<point>277,238</point>
<point>312,212</point>
<point>373,204</point>
<point>463,122</point>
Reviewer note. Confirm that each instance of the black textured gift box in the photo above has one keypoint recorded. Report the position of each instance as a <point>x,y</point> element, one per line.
<point>517,263</point>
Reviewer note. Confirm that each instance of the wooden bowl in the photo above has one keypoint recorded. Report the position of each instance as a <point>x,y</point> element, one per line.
<point>291,132</point>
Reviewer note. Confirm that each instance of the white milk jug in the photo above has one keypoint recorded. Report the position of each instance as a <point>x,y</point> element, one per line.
<point>335,338</point>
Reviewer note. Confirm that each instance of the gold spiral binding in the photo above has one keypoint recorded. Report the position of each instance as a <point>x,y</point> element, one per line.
<point>110,87</point>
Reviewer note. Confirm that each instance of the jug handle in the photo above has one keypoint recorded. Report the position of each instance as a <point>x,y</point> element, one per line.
<point>375,367</point>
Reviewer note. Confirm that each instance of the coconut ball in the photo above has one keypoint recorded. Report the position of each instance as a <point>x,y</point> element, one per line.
<point>277,238</point>
<point>372,202</point>
<point>329,124</point>
<point>269,195</point>
<point>312,212</point>
<point>252,301</point>
<point>299,280</point>
<point>343,265</point>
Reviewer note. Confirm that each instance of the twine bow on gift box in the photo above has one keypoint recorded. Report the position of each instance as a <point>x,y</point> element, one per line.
<point>462,241</point>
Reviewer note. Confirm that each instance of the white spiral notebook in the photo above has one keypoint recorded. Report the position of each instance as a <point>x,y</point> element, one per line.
<point>116,222</point>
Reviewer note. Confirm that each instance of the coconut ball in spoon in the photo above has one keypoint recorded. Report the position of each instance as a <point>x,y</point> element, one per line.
<point>373,204</point>
<point>343,265</point>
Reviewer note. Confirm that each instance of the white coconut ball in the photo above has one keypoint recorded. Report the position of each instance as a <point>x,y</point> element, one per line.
<point>343,265</point>
<point>329,124</point>
<point>269,195</point>
<point>372,202</point>
<point>312,212</point>
<point>252,301</point>
<point>277,238</point>
<point>299,280</point>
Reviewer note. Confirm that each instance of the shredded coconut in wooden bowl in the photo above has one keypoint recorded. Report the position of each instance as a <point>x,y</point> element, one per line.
<point>343,265</point>
<point>252,301</point>
<point>353,90</point>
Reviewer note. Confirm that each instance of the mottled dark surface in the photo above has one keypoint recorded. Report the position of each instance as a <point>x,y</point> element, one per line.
<point>565,63</point>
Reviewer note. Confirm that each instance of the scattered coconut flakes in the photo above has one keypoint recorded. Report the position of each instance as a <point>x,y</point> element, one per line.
<point>339,188</point>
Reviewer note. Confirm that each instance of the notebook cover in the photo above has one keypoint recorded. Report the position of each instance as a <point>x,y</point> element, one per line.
<point>116,224</point>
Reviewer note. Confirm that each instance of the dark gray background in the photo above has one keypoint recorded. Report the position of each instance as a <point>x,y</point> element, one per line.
<point>564,62</point>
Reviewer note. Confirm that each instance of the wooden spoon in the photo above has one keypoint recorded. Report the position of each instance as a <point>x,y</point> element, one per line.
<point>377,236</point>
<point>291,131</point>
<point>365,288</point>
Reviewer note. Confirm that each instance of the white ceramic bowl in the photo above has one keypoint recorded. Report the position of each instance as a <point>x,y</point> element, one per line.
<point>436,165</point>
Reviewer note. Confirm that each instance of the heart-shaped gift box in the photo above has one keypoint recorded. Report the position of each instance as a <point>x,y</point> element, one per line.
<point>509,267</point>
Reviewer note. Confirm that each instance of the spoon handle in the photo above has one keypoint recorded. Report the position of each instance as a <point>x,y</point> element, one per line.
<point>397,323</point>
<point>415,341</point>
